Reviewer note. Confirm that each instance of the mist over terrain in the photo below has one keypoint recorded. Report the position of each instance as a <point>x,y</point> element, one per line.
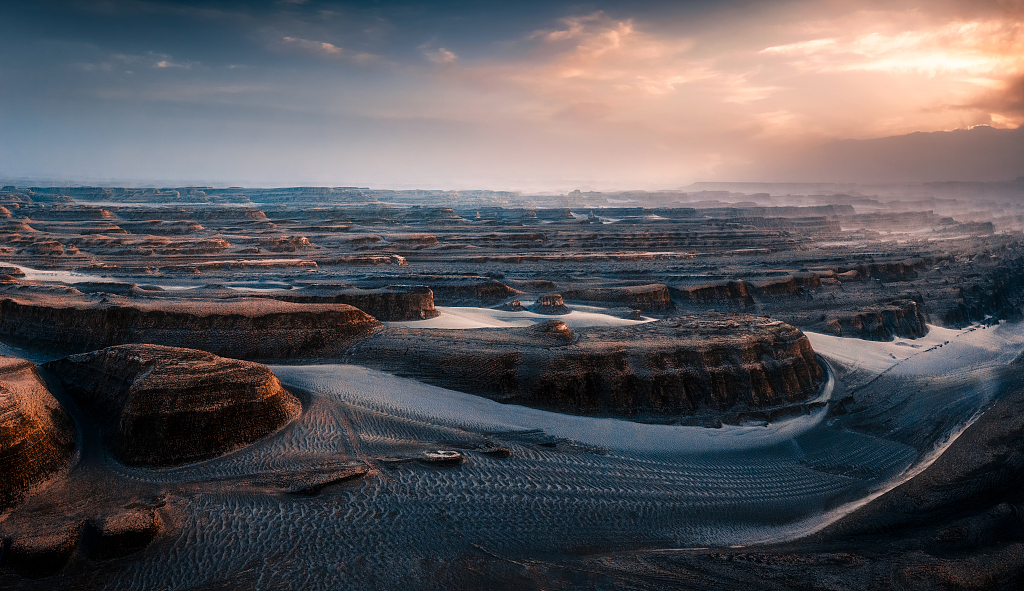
<point>329,294</point>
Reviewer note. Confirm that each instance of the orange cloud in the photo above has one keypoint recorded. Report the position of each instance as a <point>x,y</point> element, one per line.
<point>677,100</point>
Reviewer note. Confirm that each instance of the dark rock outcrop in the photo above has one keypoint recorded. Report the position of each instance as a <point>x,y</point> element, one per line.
<point>669,368</point>
<point>1000,295</point>
<point>790,285</point>
<point>454,290</point>
<point>512,306</point>
<point>244,328</point>
<point>37,437</point>
<point>551,303</point>
<point>165,406</point>
<point>905,270</point>
<point>731,292</point>
<point>901,318</point>
<point>394,302</point>
<point>647,298</point>
<point>959,524</point>
<point>43,552</point>
<point>113,536</point>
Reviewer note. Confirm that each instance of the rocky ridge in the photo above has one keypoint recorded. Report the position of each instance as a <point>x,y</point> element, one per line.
<point>665,369</point>
<point>246,328</point>
<point>37,437</point>
<point>167,406</point>
<point>901,318</point>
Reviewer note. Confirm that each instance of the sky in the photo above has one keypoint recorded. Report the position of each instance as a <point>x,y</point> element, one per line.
<point>508,95</point>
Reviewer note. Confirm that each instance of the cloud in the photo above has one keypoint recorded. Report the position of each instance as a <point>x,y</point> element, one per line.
<point>960,69</point>
<point>596,54</point>
<point>168,63</point>
<point>151,59</point>
<point>441,56</point>
<point>325,50</point>
<point>967,47</point>
<point>572,28</point>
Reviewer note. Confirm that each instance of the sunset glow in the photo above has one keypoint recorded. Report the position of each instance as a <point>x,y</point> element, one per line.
<point>621,94</point>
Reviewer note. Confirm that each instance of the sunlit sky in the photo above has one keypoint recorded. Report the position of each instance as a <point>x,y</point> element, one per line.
<point>523,95</point>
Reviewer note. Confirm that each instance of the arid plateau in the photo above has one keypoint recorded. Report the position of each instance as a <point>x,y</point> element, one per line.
<point>718,387</point>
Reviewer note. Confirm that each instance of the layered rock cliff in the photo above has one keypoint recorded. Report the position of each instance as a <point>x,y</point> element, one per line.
<point>668,368</point>
<point>726,292</point>
<point>394,302</point>
<point>789,285</point>
<point>901,318</point>
<point>166,406</point>
<point>243,328</point>
<point>647,298</point>
<point>454,290</point>
<point>37,438</point>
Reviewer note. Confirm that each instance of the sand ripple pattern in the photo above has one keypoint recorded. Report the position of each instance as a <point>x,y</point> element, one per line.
<point>400,527</point>
<point>571,485</point>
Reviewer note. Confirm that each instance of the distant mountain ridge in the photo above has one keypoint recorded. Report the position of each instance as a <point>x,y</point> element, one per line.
<point>979,154</point>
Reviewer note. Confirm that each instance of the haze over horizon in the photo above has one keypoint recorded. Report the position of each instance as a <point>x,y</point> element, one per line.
<point>605,95</point>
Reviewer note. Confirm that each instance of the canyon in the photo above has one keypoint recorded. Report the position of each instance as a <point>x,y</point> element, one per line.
<point>642,390</point>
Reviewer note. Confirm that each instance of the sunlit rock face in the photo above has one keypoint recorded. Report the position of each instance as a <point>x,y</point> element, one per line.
<point>669,368</point>
<point>165,406</point>
<point>37,438</point>
<point>247,328</point>
<point>902,318</point>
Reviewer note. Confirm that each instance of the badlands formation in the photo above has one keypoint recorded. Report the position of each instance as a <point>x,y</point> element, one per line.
<point>322,388</point>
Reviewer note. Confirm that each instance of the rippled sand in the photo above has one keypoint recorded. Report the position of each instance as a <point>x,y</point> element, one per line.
<point>572,484</point>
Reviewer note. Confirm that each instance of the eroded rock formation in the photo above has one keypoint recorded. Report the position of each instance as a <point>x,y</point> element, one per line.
<point>166,406</point>
<point>113,536</point>
<point>244,328</point>
<point>394,302</point>
<point>790,285</point>
<point>901,318</point>
<point>551,303</point>
<point>647,298</point>
<point>727,292</point>
<point>37,438</point>
<point>469,290</point>
<point>668,368</point>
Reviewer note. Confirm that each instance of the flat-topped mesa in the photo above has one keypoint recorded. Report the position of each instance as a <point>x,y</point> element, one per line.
<point>452,290</point>
<point>901,318</point>
<point>166,406</point>
<point>647,298</point>
<point>242,328</point>
<point>722,292</point>
<point>904,270</point>
<point>394,302</point>
<point>788,285</point>
<point>37,437</point>
<point>659,370</point>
